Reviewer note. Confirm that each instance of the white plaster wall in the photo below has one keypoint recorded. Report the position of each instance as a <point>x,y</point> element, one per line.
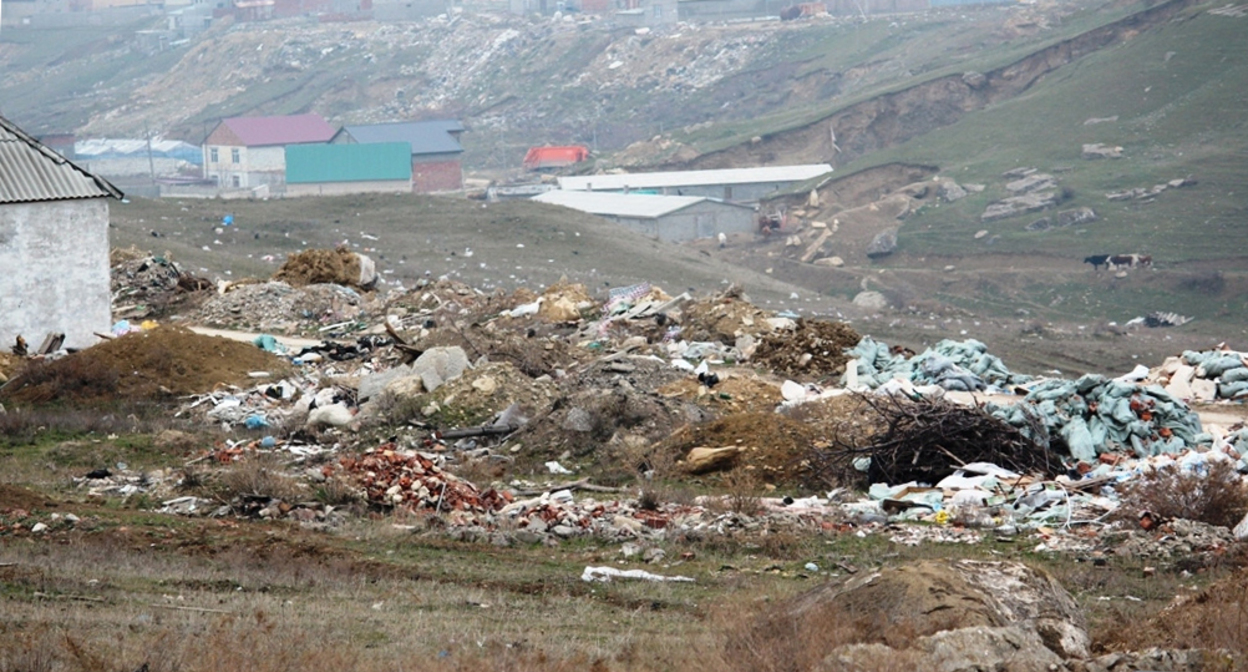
<point>263,159</point>
<point>54,271</point>
<point>340,188</point>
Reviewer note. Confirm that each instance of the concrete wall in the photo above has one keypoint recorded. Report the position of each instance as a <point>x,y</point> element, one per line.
<point>703,220</point>
<point>55,261</point>
<point>339,188</point>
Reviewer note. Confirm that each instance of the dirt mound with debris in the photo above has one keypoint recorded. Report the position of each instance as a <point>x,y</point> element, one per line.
<point>724,318</point>
<point>9,364</point>
<point>277,307</point>
<point>482,393</point>
<point>772,446</point>
<point>897,608</point>
<point>312,267</point>
<point>163,362</point>
<point>813,349</point>
<point>735,393</point>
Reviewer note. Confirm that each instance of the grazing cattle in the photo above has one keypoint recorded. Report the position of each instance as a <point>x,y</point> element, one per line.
<point>1114,262</point>
<point>1097,260</point>
<point>1129,261</point>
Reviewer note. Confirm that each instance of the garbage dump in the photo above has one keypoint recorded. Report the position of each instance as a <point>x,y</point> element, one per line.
<point>954,365</point>
<point>531,417</point>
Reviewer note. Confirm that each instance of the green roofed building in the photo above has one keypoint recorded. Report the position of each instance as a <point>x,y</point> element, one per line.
<point>382,167</point>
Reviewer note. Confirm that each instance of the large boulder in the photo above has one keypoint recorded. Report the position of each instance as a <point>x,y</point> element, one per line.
<point>1017,205</point>
<point>884,243</point>
<point>1032,182</point>
<point>955,614</point>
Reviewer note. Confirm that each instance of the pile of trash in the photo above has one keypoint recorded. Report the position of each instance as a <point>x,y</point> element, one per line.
<point>145,285</point>
<point>280,308</point>
<point>1095,415</point>
<point>395,478</point>
<point>1205,376</point>
<point>953,365</point>
<point>811,349</point>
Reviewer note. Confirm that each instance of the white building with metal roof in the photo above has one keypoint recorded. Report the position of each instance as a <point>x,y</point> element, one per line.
<point>669,218</point>
<point>53,244</point>
<point>745,185</point>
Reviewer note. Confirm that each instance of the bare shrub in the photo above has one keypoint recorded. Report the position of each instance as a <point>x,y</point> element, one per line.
<point>260,477</point>
<point>1217,496</point>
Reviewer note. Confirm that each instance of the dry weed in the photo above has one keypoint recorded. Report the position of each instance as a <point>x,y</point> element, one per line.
<point>1215,496</point>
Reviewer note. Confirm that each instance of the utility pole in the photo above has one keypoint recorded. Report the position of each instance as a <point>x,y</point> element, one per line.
<point>151,165</point>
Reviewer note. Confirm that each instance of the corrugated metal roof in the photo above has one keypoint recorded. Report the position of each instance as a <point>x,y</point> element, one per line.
<point>642,206</point>
<point>31,172</point>
<point>693,178</point>
<point>425,137</point>
<point>348,163</point>
<point>285,130</point>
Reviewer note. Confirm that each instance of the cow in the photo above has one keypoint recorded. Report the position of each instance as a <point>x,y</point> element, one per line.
<point>1128,261</point>
<point>1097,260</point>
<point>1114,262</point>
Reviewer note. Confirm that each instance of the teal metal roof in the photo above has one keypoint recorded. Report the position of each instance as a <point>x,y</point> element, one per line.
<point>311,164</point>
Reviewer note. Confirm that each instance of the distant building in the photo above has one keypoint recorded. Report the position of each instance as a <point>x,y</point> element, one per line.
<point>247,152</point>
<point>435,149</point>
<point>550,158</point>
<point>324,170</point>
<point>668,218</point>
<point>744,185</point>
<point>54,229</point>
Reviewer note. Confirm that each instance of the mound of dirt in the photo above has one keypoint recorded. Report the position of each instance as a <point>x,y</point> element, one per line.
<point>163,362</point>
<point>773,446</point>
<point>278,307</point>
<point>724,318</point>
<point>921,605</point>
<point>312,267</point>
<point>479,394</point>
<point>734,394</point>
<point>813,349</point>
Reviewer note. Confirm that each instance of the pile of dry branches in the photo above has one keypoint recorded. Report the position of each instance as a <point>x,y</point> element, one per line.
<point>926,440</point>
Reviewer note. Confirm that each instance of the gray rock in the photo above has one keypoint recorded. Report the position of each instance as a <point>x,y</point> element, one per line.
<point>950,191</point>
<point>1097,150</point>
<point>871,299</point>
<point>1018,205</point>
<point>1075,217</point>
<point>1011,648</point>
<point>372,385</point>
<point>884,244</point>
<point>1042,224</point>
<point>528,537</point>
<point>564,531</point>
<point>438,365</point>
<point>578,420</point>
<point>1032,182</point>
<point>1016,173</point>
<point>933,596</point>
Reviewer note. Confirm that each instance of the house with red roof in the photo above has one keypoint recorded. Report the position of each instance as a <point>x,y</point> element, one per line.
<point>249,152</point>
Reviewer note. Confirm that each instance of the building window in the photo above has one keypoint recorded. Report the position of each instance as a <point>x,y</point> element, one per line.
<point>234,157</point>
<point>212,155</point>
<point>238,181</point>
